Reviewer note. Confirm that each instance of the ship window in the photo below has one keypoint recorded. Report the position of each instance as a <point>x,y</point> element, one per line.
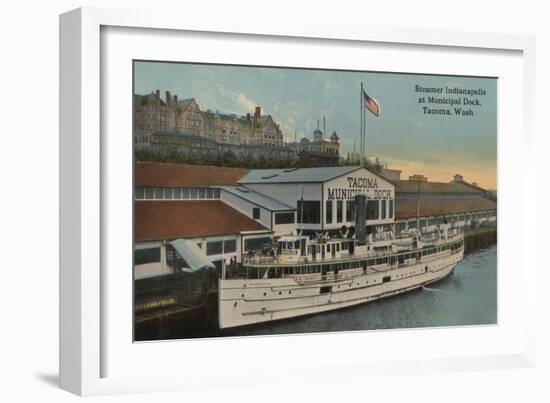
<point>325,289</point>
<point>337,247</point>
<point>328,211</point>
<point>383,202</point>
<point>256,213</point>
<point>390,208</point>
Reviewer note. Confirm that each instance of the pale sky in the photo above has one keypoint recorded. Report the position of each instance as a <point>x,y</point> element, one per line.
<point>403,137</point>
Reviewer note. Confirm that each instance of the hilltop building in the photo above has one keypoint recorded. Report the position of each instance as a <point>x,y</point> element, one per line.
<point>162,121</point>
<point>321,151</point>
<point>152,115</point>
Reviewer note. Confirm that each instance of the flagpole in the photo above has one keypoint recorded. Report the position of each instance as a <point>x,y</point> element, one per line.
<point>365,136</point>
<point>361,126</point>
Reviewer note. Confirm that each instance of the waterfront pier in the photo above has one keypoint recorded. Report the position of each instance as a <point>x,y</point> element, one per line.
<point>193,221</point>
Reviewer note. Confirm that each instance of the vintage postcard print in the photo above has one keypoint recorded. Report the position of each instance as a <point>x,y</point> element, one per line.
<point>273,200</point>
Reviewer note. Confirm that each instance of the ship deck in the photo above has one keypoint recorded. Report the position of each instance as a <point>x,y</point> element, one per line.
<point>268,261</point>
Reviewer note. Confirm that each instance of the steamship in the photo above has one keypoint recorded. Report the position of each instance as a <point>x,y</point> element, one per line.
<point>301,275</point>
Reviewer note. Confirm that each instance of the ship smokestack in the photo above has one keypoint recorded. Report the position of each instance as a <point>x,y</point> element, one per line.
<point>360,218</point>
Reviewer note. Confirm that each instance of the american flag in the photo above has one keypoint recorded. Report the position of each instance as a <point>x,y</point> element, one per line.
<point>371,104</point>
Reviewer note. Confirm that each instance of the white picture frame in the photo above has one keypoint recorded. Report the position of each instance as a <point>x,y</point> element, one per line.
<point>85,178</point>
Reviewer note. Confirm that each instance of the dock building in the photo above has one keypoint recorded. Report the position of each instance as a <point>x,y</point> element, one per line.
<point>191,217</point>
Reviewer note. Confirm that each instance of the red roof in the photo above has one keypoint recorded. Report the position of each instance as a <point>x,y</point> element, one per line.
<point>406,208</point>
<point>166,174</point>
<point>156,220</point>
<point>434,187</point>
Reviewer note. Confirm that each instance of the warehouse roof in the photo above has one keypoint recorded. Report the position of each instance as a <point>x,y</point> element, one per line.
<point>405,208</point>
<point>257,198</point>
<point>434,187</point>
<point>171,175</point>
<point>156,220</point>
<point>318,174</point>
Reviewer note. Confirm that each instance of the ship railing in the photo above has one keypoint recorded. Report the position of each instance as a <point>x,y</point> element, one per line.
<point>261,260</point>
<point>327,278</point>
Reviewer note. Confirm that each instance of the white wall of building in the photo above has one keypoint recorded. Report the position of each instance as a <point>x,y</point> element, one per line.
<point>225,255</point>
<point>361,181</point>
<point>245,207</point>
<point>152,269</point>
<point>267,217</point>
<point>283,229</point>
<point>344,188</point>
<point>290,193</point>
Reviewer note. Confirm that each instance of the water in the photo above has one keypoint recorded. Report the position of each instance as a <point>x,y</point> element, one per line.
<point>468,296</point>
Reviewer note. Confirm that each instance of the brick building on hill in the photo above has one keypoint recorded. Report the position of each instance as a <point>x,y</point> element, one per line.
<point>158,120</point>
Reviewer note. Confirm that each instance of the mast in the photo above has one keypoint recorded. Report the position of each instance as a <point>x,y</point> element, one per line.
<point>418,207</point>
<point>302,211</point>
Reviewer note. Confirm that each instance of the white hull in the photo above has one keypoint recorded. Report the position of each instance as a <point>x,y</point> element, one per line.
<point>248,301</point>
